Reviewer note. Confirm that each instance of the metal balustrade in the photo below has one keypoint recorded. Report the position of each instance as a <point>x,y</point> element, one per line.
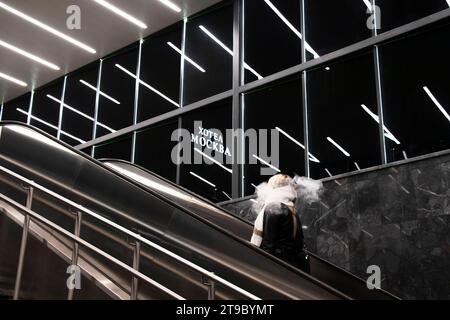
<point>208,278</point>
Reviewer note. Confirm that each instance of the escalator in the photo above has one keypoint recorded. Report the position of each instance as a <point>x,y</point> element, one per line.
<point>322,270</point>
<point>164,215</point>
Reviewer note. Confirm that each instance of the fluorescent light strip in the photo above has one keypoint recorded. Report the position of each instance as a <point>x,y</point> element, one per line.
<point>253,200</point>
<point>122,13</point>
<point>404,155</point>
<point>389,134</point>
<point>47,28</point>
<point>202,179</point>
<point>147,85</point>
<point>221,44</point>
<point>369,5</point>
<point>171,5</point>
<point>28,55</point>
<point>311,157</point>
<point>80,113</point>
<point>436,102</point>
<point>246,66</point>
<point>213,160</point>
<point>448,2</point>
<point>1,112</point>
<point>338,146</point>
<point>12,79</point>
<point>100,92</point>
<point>266,163</point>
<point>329,173</point>
<point>226,195</point>
<point>51,126</point>
<point>186,57</point>
<point>286,21</point>
<point>357,166</point>
<point>254,185</point>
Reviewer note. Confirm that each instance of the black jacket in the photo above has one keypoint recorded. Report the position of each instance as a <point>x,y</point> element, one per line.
<point>283,237</point>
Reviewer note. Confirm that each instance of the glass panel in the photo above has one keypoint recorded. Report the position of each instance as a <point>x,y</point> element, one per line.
<point>209,45</point>
<point>204,177</point>
<point>331,25</point>
<point>10,111</point>
<point>154,150</point>
<point>396,13</point>
<point>160,69</point>
<point>116,104</point>
<point>416,99</point>
<point>80,94</point>
<point>283,118</point>
<point>272,37</point>
<point>342,108</point>
<point>117,149</point>
<point>87,151</point>
<point>46,107</point>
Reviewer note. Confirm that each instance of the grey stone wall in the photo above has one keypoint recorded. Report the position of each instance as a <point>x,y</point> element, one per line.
<point>396,217</point>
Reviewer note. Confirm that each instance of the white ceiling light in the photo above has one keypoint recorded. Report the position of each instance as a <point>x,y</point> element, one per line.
<point>286,21</point>
<point>436,102</point>
<point>28,55</point>
<point>221,44</point>
<point>226,195</point>
<point>389,134</point>
<point>147,85</point>
<point>448,2</point>
<point>171,5</point>
<point>79,112</point>
<point>369,5</point>
<point>202,179</point>
<point>357,166</point>
<point>338,146</point>
<point>405,155</point>
<point>213,160</point>
<point>329,173</point>
<point>266,163</point>
<point>195,64</point>
<point>47,28</point>
<point>12,79</point>
<point>50,125</point>
<point>311,157</point>
<point>121,13</point>
<point>100,92</point>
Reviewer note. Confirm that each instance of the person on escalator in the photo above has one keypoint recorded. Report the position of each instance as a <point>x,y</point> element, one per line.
<point>277,228</point>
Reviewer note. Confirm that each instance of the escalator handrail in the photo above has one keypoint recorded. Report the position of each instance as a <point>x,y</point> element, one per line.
<point>89,246</point>
<point>181,208</point>
<point>173,184</point>
<point>132,234</point>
